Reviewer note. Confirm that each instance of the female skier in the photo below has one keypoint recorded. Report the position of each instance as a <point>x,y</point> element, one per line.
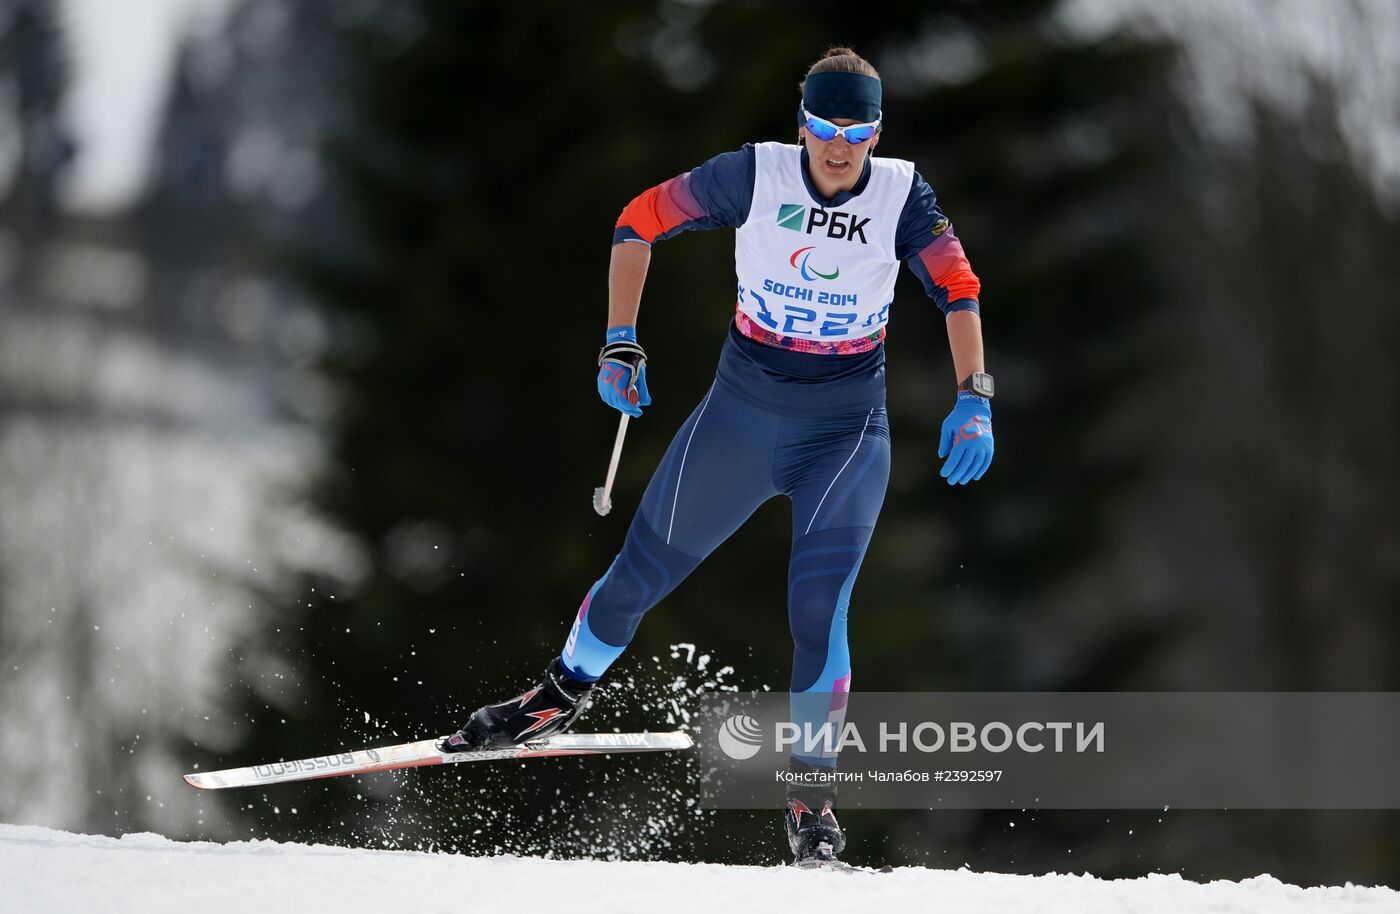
<point>798,403</point>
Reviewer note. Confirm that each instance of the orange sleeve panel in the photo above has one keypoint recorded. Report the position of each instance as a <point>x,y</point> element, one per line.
<point>954,286</point>
<point>662,211</point>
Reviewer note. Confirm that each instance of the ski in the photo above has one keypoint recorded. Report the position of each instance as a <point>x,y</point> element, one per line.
<point>426,752</point>
<point>837,866</point>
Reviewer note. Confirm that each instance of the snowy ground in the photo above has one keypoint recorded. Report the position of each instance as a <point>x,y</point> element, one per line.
<point>43,871</point>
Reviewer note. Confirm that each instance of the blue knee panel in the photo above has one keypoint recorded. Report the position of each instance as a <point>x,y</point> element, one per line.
<point>585,655</point>
<point>822,574</point>
<point>643,573</point>
<point>820,579</point>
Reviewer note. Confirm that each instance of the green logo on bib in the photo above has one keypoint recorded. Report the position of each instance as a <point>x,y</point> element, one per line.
<point>790,215</point>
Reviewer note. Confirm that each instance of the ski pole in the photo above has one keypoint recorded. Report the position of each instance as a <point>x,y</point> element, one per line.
<point>602,503</point>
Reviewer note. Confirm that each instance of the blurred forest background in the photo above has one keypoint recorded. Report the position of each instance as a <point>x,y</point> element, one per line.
<point>297,445</point>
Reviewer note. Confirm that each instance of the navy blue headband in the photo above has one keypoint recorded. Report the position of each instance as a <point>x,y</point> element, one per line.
<point>846,95</point>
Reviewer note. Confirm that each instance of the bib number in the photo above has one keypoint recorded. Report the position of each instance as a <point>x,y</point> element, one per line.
<point>800,321</point>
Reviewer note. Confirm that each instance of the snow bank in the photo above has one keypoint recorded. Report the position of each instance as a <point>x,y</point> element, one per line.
<point>43,871</point>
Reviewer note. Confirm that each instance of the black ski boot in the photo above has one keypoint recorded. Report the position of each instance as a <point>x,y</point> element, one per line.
<point>549,708</point>
<point>812,832</point>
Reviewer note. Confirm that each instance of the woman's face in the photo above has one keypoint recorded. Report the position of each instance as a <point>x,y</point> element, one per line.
<point>836,165</point>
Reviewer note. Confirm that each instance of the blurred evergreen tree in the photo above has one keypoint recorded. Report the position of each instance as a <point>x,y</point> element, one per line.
<point>1293,496</point>
<point>34,74</point>
<point>485,171</point>
<point>1272,531</point>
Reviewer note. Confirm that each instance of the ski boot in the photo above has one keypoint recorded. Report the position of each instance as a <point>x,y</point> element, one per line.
<point>813,834</point>
<point>549,708</point>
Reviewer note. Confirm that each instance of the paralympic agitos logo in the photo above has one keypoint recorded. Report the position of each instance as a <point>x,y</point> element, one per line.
<point>808,219</point>
<point>799,261</point>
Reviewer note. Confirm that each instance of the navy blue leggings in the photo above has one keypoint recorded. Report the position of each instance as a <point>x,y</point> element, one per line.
<point>811,427</point>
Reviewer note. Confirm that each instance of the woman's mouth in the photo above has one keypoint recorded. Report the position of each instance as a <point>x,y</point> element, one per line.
<point>837,164</point>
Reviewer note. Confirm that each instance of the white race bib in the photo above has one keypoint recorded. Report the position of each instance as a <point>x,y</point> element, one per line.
<point>824,273</point>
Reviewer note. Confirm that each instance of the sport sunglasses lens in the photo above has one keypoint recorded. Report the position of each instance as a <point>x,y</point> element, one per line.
<point>859,134</point>
<point>821,129</point>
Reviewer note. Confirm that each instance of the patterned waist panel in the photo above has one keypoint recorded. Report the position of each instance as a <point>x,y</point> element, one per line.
<point>767,337</point>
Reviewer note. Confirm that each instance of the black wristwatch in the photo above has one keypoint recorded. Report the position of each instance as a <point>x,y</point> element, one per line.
<point>980,383</point>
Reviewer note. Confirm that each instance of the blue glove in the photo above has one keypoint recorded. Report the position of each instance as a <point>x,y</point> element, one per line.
<point>967,437</point>
<point>622,372</point>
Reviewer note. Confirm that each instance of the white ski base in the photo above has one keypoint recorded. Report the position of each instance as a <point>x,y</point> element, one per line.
<point>426,752</point>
